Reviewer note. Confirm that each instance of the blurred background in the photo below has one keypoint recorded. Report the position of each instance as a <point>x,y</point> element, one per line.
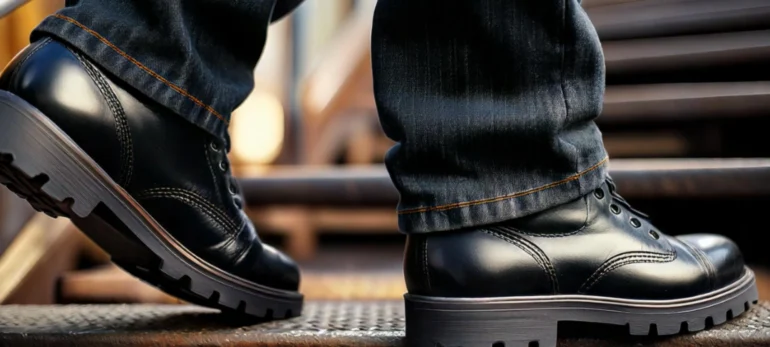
<point>686,113</point>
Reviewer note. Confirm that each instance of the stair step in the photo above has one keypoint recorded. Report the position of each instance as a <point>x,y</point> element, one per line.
<point>636,178</point>
<point>653,18</point>
<point>323,323</point>
<point>670,103</point>
<point>702,56</point>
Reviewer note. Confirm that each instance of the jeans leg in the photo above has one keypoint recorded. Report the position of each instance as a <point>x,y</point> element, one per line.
<point>491,103</point>
<point>195,57</point>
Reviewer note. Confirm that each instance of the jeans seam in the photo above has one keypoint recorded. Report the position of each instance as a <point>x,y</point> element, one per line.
<point>561,82</point>
<point>142,66</point>
<point>506,196</point>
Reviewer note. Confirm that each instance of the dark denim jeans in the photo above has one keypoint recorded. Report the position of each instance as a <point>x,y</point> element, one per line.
<point>491,102</point>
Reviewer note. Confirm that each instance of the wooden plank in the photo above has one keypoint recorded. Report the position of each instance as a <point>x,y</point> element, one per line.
<point>647,144</point>
<point>43,249</point>
<point>696,52</point>
<point>637,19</point>
<point>644,178</point>
<point>323,323</point>
<point>596,3</point>
<point>14,213</point>
<point>685,101</point>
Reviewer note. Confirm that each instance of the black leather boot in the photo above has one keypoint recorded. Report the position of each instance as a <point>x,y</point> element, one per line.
<point>593,260</point>
<point>152,189</point>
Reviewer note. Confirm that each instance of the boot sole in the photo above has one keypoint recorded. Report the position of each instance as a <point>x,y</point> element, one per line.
<point>41,164</point>
<point>532,321</point>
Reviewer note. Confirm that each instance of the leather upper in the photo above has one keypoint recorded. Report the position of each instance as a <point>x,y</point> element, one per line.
<point>178,172</point>
<point>595,245</point>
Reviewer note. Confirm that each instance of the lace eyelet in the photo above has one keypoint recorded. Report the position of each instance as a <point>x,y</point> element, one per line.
<point>615,209</point>
<point>222,166</point>
<point>214,146</point>
<point>232,190</point>
<point>654,234</point>
<point>599,193</point>
<point>635,223</point>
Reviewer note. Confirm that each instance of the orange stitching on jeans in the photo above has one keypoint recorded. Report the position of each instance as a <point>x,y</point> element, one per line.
<point>141,66</point>
<point>504,197</point>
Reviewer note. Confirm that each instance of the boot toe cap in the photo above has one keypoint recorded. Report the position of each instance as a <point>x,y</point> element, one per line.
<point>722,253</point>
<point>277,270</point>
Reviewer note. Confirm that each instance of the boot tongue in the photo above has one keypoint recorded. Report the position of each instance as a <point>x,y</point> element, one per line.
<point>561,219</point>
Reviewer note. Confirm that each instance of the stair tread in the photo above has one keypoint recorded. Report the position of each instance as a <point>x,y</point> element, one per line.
<point>637,19</point>
<point>324,323</point>
<point>636,178</point>
<point>678,102</point>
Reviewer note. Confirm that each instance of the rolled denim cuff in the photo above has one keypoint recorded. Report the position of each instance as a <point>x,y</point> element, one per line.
<point>499,208</point>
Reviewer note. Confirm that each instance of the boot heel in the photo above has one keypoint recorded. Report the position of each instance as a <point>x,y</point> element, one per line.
<point>446,322</point>
<point>27,144</point>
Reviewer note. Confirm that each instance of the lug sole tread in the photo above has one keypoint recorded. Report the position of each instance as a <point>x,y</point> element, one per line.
<point>173,281</point>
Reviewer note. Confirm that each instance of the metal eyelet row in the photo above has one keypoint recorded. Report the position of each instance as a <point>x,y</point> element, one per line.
<point>615,209</point>
<point>223,167</point>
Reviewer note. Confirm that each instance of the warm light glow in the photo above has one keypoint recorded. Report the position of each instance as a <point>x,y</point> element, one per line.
<point>257,129</point>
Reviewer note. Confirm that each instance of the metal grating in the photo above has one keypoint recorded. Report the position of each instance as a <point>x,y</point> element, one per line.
<point>382,316</point>
<point>324,323</point>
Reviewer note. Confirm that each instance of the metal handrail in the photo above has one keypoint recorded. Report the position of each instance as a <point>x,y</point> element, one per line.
<point>8,6</point>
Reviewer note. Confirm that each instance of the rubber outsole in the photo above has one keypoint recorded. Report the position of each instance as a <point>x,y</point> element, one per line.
<point>41,164</point>
<point>532,321</point>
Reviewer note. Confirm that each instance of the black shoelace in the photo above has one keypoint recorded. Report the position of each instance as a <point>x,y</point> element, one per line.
<point>620,200</point>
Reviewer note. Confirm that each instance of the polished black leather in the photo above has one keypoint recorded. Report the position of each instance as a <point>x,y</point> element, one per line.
<point>179,173</point>
<point>595,245</point>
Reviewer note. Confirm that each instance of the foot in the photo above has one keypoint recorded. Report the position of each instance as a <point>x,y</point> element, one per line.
<point>594,259</point>
<point>152,189</point>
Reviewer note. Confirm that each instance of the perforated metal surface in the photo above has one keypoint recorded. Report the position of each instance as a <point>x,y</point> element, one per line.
<point>329,316</point>
<point>375,323</point>
<point>351,323</point>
